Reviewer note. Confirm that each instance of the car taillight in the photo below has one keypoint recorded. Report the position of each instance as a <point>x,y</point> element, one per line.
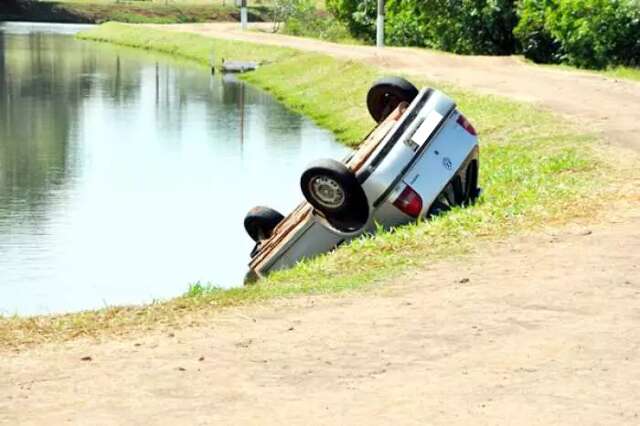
<point>409,202</point>
<point>462,121</point>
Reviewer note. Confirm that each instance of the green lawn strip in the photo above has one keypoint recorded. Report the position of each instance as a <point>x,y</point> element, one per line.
<point>184,45</point>
<point>535,170</point>
<point>616,72</point>
<point>628,73</point>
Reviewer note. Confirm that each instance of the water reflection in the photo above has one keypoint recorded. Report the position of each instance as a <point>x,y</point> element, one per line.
<point>124,176</point>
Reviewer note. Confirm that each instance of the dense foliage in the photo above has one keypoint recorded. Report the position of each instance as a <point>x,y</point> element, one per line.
<point>585,33</point>
<point>358,15</point>
<point>460,26</point>
<point>303,19</point>
<point>535,41</point>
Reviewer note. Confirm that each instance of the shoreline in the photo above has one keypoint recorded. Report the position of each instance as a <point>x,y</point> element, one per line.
<point>538,171</point>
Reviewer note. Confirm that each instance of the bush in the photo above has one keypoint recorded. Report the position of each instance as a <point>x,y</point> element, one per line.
<point>584,33</point>
<point>460,26</point>
<point>283,10</point>
<point>405,25</point>
<point>597,33</point>
<point>536,42</point>
<point>358,15</point>
<point>301,18</point>
<point>317,25</point>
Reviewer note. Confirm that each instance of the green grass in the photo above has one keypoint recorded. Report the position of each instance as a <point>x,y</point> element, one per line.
<point>319,24</point>
<point>619,72</point>
<point>624,72</point>
<point>186,46</point>
<point>535,169</point>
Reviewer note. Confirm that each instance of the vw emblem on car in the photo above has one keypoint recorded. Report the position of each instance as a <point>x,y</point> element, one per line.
<point>446,162</point>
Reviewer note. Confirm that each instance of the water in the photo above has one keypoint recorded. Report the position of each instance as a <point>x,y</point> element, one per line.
<point>125,176</point>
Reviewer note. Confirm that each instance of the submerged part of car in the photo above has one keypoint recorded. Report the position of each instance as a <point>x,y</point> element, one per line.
<point>420,160</point>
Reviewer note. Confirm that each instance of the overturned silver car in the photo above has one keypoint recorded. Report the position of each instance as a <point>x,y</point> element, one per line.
<point>421,159</point>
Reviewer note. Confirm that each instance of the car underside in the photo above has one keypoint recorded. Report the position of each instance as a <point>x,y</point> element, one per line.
<point>421,160</point>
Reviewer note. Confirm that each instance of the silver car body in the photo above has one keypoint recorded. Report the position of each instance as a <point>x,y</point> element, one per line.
<point>425,149</point>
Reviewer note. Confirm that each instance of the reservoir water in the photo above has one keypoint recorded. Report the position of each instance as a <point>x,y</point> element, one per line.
<point>125,176</point>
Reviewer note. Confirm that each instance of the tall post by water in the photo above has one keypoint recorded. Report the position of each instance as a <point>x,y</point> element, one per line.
<point>243,14</point>
<point>380,25</point>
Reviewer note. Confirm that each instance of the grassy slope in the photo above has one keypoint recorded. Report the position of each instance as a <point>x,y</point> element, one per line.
<point>535,170</point>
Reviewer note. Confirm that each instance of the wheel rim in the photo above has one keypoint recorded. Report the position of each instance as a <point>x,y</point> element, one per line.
<point>327,192</point>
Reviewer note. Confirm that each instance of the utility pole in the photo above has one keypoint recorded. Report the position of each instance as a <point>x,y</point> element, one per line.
<point>380,25</point>
<point>243,14</point>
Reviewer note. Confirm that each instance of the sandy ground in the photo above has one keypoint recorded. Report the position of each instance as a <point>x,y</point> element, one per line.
<point>610,107</point>
<point>539,329</point>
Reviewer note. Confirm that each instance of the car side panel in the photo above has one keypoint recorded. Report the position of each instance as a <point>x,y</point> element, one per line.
<point>389,215</point>
<point>315,239</point>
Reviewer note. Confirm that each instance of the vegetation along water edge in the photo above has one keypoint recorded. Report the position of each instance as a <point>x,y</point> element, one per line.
<point>537,170</point>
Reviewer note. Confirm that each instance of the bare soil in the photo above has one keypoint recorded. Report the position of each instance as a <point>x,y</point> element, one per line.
<point>608,106</point>
<point>538,329</point>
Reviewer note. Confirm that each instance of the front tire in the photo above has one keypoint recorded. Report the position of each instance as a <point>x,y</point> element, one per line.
<point>386,94</point>
<point>260,222</point>
<point>331,188</point>
<point>472,189</point>
<point>457,193</point>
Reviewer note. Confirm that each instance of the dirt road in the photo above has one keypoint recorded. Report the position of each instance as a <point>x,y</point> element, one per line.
<point>610,107</point>
<point>541,330</point>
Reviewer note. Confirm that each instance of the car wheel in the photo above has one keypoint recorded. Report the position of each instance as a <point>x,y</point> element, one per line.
<point>386,94</point>
<point>438,207</point>
<point>458,192</point>
<point>472,190</point>
<point>261,221</point>
<point>330,187</point>
<point>447,199</point>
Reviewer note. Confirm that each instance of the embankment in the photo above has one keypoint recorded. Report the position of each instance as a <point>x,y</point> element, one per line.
<point>535,169</point>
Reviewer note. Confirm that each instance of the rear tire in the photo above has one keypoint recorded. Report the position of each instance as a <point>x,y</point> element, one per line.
<point>260,222</point>
<point>331,188</point>
<point>386,94</point>
<point>472,190</point>
<point>455,193</point>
